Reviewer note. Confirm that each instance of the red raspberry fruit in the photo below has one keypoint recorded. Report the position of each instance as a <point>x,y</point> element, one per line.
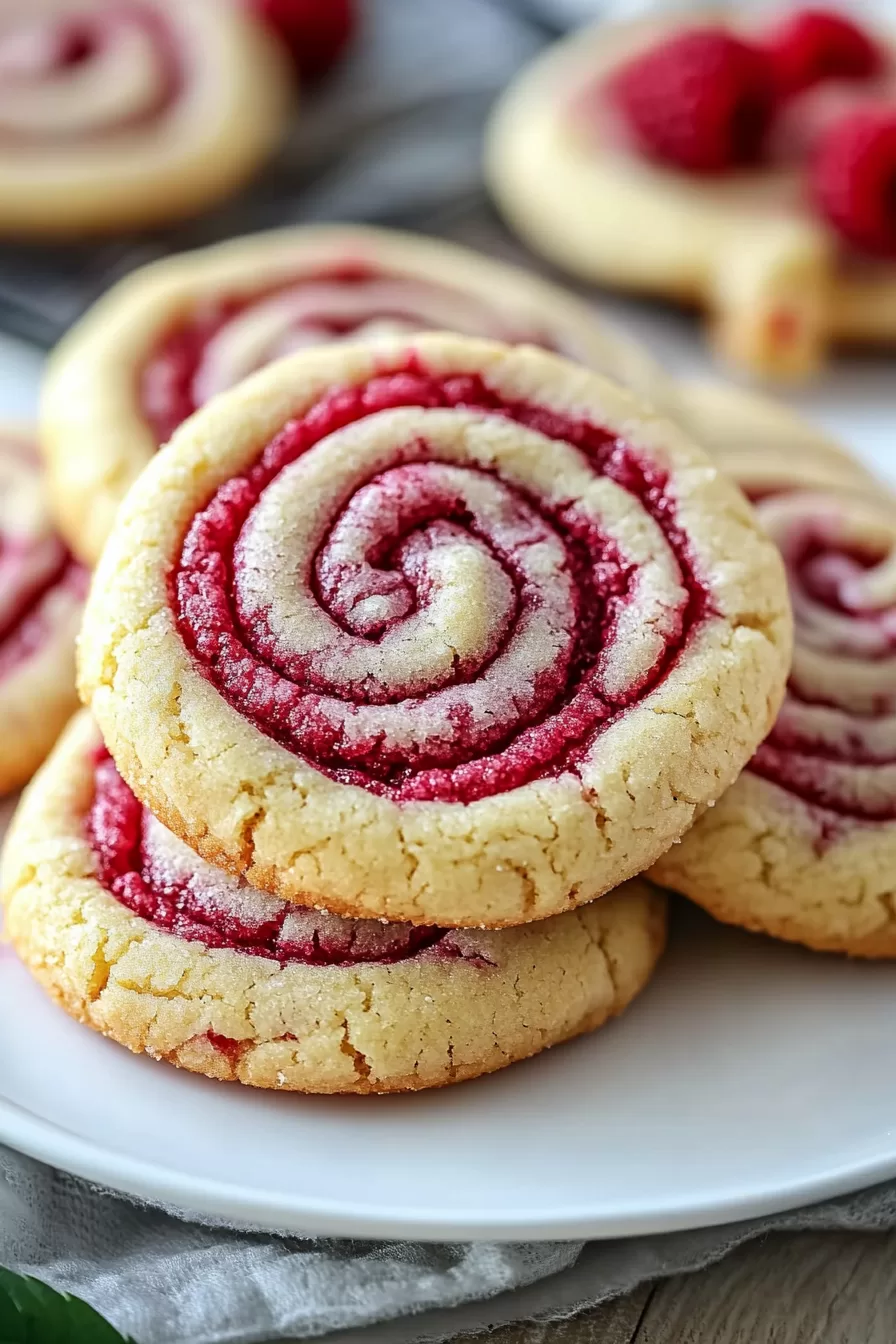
<point>702,100</point>
<point>853,179</point>
<point>316,31</point>
<point>817,44</point>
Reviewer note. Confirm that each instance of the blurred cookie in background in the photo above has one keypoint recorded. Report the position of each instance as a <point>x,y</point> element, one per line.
<point>746,169</point>
<point>169,337</point>
<point>763,444</point>
<point>116,114</point>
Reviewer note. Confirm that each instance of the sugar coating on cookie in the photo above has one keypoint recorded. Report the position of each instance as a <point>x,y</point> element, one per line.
<point>803,845</point>
<point>778,284</point>
<point>139,938</point>
<point>128,113</point>
<point>41,597</point>
<point>440,631</point>
<point>172,335</point>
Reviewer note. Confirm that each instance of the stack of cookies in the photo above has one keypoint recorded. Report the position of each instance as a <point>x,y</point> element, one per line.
<point>402,660</point>
<point>411,654</point>
<point>408,656</point>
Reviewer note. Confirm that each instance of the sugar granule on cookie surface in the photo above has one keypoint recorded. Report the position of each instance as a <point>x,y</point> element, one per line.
<point>439,631</point>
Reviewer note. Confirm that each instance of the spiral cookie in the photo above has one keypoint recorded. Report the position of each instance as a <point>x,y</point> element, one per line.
<point>440,631</point>
<point>41,595</point>
<point>803,846</point>
<point>763,445</point>
<point>137,937</point>
<point>127,113</point>
<point>174,334</point>
<point>738,231</point>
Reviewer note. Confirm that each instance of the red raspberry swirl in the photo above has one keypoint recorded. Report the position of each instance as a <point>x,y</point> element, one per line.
<point>40,583</point>
<point>221,343</point>
<point>81,74</point>
<point>834,743</point>
<point>403,612</point>
<point>159,878</point>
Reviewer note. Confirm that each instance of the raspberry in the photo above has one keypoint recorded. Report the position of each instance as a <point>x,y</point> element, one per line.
<point>702,100</point>
<point>316,31</point>
<point>818,44</point>
<point>853,179</point>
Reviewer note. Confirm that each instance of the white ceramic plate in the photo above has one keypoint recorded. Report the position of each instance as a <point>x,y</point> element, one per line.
<point>750,1077</point>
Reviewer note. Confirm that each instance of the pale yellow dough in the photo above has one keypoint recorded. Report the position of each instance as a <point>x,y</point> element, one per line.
<point>68,181</point>
<point>251,806</point>
<point>745,249</point>
<point>370,1027</point>
<point>95,436</point>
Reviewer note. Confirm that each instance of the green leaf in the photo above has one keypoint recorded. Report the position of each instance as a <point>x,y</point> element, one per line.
<point>33,1313</point>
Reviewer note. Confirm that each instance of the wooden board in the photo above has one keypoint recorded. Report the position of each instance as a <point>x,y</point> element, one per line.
<point>802,1288</point>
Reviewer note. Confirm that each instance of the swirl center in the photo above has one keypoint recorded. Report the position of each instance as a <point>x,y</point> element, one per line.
<point>430,592</point>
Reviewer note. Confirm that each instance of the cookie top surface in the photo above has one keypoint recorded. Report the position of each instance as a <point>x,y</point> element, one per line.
<point>41,594</point>
<point>116,113</point>
<point>438,630</point>
<point>746,244</point>
<point>170,336</point>
<point>802,845</point>
<point>203,970</point>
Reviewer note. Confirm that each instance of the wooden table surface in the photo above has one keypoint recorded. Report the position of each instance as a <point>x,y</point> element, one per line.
<point>787,1288</point>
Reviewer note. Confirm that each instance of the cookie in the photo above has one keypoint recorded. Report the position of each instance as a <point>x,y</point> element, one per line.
<point>119,114</point>
<point>762,444</point>
<point>172,335</point>
<point>749,245</point>
<point>41,598</point>
<point>139,938</point>
<point>436,630</point>
<point>803,845</point>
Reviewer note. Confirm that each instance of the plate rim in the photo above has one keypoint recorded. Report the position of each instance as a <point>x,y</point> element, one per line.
<point>193,1198</point>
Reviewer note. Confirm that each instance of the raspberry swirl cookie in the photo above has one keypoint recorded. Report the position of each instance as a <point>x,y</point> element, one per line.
<point>803,846</point>
<point>441,631</point>
<point>127,113</point>
<point>763,445</point>
<point>139,938</point>
<point>167,338</point>
<point>41,596</point>
<point>662,155</point>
